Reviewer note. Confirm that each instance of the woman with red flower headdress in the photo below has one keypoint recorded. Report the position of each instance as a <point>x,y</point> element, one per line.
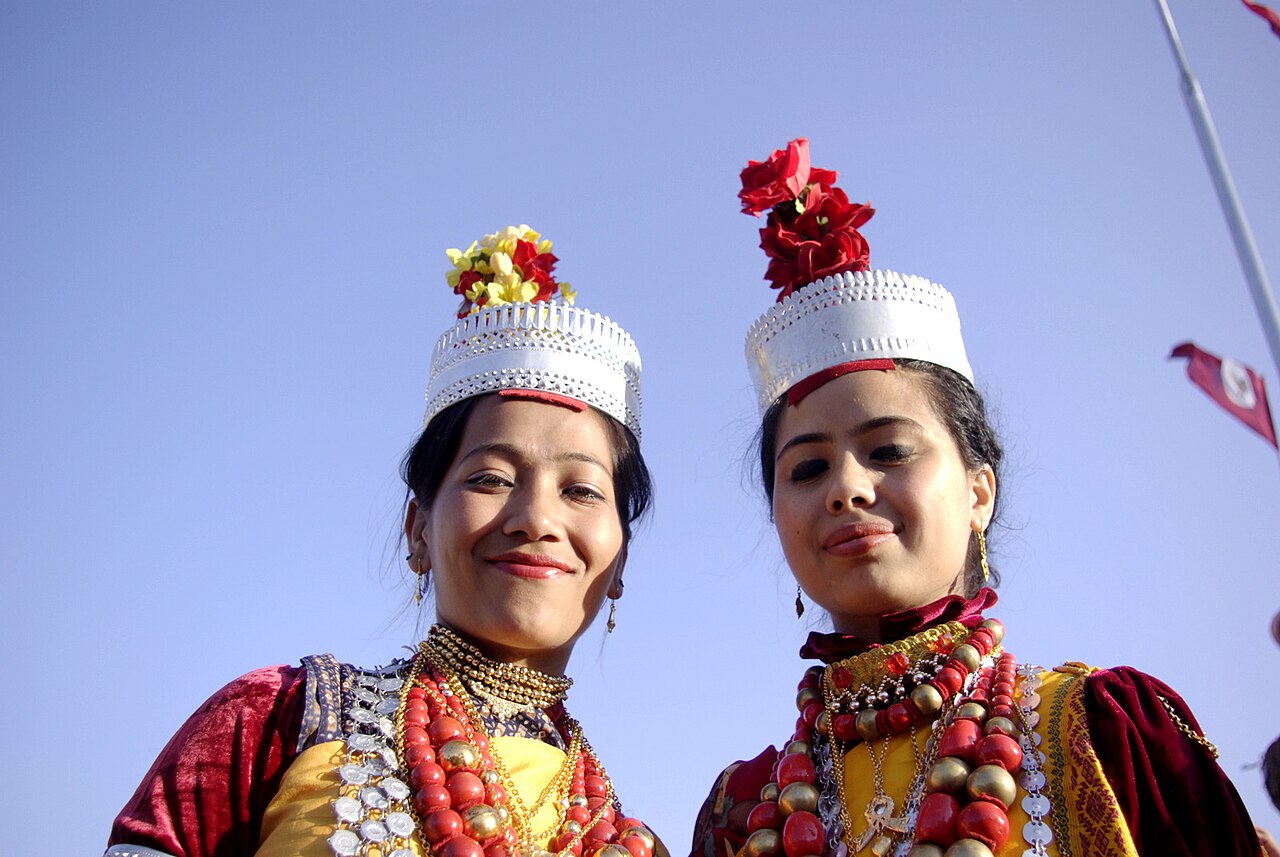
<point>919,733</point>
<point>521,492</point>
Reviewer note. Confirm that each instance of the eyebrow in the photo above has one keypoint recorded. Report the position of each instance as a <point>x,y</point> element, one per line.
<point>508,450</point>
<point>860,429</point>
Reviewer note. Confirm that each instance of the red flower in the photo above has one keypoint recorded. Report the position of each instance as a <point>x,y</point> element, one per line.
<point>546,284</point>
<point>528,260</point>
<point>827,210</point>
<point>814,238</point>
<point>466,280</point>
<point>782,177</point>
<point>796,262</point>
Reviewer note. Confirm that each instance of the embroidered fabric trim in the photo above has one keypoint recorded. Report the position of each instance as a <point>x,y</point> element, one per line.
<point>320,717</point>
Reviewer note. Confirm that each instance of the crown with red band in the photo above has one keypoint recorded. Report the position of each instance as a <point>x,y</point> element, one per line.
<point>518,335</point>
<point>834,315</point>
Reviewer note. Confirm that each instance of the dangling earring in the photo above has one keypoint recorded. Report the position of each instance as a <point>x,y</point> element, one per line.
<point>613,615</point>
<point>799,603</point>
<point>982,556</point>
<point>420,591</point>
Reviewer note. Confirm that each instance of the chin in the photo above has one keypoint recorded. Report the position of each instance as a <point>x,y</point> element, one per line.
<point>874,599</point>
<point>528,631</point>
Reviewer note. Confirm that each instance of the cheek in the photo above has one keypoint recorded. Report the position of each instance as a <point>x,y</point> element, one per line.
<point>598,537</point>
<point>788,519</point>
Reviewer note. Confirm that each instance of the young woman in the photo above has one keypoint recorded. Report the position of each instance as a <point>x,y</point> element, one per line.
<point>525,482</point>
<point>920,733</point>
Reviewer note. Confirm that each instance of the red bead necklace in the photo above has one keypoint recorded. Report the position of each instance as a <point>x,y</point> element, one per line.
<point>963,787</point>
<point>464,798</point>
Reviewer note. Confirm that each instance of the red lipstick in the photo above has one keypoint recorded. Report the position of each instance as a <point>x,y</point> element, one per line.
<point>534,566</point>
<point>858,539</point>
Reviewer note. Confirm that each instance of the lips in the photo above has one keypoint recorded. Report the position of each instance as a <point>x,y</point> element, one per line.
<point>532,566</point>
<point>858,539</point>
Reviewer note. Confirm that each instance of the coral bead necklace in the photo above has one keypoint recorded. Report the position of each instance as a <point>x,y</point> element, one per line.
<point>463,794</point>
<point>958,800</point>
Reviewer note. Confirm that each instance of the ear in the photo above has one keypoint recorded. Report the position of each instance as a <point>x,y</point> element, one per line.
<point>415,534</point>
<point>615,585</point>
<point>983,497</point>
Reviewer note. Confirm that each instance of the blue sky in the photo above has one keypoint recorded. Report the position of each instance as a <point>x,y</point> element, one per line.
<point>222,270</point>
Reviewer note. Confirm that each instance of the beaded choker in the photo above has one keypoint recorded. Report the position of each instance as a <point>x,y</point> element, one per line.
<point>506,688</point>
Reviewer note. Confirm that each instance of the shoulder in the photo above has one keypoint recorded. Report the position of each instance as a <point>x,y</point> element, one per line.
<point>1160,768</point>
<point>736,791</point>
<point>261,687</point>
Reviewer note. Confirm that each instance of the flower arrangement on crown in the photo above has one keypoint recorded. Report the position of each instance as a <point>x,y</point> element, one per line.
<point>512,265</point>
<point>811,231</point>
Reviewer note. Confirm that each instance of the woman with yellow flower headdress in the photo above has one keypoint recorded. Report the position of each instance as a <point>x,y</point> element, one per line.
<point>522,490</point>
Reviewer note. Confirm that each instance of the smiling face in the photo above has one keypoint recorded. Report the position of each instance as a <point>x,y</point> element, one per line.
<point>872,502</point>
<point>523,538</point>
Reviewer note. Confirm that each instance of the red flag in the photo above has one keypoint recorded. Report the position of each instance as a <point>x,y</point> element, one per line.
<point>1269,15</point>
<point>1233,385</point>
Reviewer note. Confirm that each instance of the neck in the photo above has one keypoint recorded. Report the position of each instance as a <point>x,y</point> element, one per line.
<point>866,627</point>
<point>553,662</point>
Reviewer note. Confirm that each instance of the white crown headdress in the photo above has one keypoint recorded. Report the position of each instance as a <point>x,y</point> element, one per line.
<point>832,311</point>
<point>857,315</point>
<point>512,336</point>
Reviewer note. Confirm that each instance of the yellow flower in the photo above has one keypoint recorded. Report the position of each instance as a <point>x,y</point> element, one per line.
<point>544,246</point>
<point>495,292</point>
<point>504,240</point>
<point>567,292</point>
<point>452,276</point>
<point>500,264</point>
<point>523,291</point>
<point>461,259</point>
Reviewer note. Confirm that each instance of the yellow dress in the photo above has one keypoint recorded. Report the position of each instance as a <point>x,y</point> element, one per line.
<point>1084,817</point>
<point>300,819</point>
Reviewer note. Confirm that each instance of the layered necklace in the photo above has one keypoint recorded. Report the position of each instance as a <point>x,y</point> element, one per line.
<point>463,794</point>
<point>954,682</point>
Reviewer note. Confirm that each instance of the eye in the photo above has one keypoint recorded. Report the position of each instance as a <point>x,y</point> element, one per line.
<point>491,481</point>
<point>585,493</point>
<point>892,453</point>
<point>808,469</point>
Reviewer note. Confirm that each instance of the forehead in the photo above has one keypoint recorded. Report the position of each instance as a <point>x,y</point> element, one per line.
<point>852,399</point>
<point>538,430</point>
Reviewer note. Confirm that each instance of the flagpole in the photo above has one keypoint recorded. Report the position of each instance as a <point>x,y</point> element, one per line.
<point>1263,300</point>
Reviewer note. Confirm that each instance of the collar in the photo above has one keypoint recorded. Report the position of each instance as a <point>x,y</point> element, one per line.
<point>830,647</point>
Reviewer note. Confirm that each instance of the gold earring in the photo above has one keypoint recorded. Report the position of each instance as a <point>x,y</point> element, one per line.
<point>613,615</point>
<point>422,588</point>
<point>799,603</point>
<point>982,556</point>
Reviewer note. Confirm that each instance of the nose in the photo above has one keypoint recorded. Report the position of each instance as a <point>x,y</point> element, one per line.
<point>851,486</point>
<point>532,512</point>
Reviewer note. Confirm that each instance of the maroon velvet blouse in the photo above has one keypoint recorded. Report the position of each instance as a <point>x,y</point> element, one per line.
<point>206,794</point>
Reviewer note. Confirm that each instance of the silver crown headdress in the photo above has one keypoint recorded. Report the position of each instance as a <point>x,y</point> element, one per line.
<point>549,347</point>
<point>857,315</point>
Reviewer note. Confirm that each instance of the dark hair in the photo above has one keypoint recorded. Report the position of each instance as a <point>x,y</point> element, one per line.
<point>427,461</point>
<point>960,407</point>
